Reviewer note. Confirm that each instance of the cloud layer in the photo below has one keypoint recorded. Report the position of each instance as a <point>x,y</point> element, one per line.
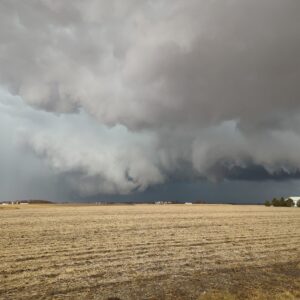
<point>140,93</point>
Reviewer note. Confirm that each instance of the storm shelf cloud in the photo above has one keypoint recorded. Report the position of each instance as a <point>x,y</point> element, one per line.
<point>119,97</point>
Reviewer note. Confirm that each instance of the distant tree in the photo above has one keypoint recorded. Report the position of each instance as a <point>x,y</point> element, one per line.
<point>275,202</point>
<point>282,202</point>
<point>298,203</point>
<point>267,203</point>
<point>289,203</point>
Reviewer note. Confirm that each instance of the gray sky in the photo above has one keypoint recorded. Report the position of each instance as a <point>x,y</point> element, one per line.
<point>149,99</point>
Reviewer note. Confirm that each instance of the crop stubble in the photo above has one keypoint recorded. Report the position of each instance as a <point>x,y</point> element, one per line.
<point>136,251</point>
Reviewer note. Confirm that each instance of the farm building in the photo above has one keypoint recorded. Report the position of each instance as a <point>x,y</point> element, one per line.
<point>295,199</point>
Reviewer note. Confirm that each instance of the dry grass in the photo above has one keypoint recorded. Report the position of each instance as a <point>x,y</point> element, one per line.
<point>7,207</point>
<point>150,252</point>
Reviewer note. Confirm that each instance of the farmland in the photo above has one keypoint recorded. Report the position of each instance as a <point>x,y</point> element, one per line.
<point>149,252</point>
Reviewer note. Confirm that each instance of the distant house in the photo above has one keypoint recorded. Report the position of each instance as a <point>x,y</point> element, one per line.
<point>295,199</point>
<point>188,203</point>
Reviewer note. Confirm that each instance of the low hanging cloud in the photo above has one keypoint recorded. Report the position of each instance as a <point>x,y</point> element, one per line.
<point>138,93</point>
<point>103,165</point>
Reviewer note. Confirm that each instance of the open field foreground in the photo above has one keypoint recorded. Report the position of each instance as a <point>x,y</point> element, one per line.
<point>149,252</point>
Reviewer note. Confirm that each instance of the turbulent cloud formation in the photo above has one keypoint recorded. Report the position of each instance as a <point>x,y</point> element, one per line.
<point>102,161</point>
<point>139,93</point>
<point>94,158</point>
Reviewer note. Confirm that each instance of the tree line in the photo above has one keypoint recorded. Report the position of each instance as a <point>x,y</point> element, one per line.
<point>282,202</point>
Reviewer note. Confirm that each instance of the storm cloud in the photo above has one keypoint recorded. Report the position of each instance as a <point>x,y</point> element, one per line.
<point>125,95</point>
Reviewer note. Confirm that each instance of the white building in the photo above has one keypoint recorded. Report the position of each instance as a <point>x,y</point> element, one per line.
<point>295,199</point>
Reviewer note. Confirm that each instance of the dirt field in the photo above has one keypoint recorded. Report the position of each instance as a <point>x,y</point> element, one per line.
<point>149,252</point>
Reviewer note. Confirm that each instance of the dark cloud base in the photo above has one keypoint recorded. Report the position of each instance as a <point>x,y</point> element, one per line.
<point>226,192</point>
<point>255,173</point>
